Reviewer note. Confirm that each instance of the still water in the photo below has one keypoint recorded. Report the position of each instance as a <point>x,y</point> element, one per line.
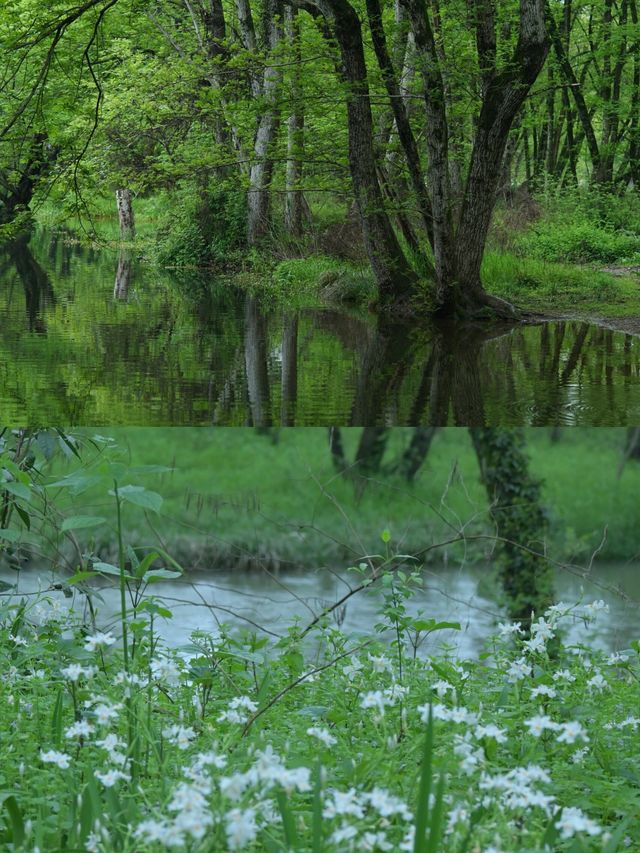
<point>87,338</point>
<point>268,603</point>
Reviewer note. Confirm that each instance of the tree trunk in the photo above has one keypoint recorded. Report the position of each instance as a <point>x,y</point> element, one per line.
<point>373,442</point>
<point>458,255</point>
<point>123,276</point>
<point>414,456</point>
<point>520,520</point>
<point>294,200</point>
<point>260,173</point>
<point>336,448</point>
<point>125,215</point>
<point>394,276</point>
<point>289,369</point>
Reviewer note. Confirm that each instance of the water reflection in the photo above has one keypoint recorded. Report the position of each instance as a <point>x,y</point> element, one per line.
<point>89,337</point>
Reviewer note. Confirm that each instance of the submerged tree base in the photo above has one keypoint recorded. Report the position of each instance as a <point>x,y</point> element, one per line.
<point>455,301</point>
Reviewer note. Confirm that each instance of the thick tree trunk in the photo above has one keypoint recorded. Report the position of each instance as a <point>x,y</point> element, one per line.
<point>458,256</point>
<point>373,442</point>
<point>517,512</point>
<point>256,366</point>
<point>124,203</point>
<point>414,456</point>
<point>394,276</point>
<point>505,92</point>
<point>260,173</point>
<point>294,199</point>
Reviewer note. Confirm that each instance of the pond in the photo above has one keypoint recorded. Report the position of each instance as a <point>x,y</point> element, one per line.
<point>88,338</point>
<point>264,602</point>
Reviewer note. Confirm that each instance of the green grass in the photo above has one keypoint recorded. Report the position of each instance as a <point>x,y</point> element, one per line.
<point>553,287</point>
<point>235,493</point>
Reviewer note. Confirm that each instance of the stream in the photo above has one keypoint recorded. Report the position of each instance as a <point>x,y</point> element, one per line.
<point>88,338</point>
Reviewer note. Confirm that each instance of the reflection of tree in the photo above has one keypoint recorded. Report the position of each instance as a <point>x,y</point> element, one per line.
<point>289,369</point>
<point>38,291</point>
<point>255,355</point>
<point>123,276</point>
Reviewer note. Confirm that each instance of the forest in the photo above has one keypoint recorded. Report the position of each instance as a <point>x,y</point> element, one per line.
<point>319,443</point>
<point>466,155</point>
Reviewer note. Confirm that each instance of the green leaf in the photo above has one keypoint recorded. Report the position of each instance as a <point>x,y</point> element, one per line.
<point>431,625</point>
<point>81,576</point>
<point>140,496</point>
<point>160,575</point>
<point>9,534</point>
<point>424,790</point>
<point>79,522</point>
<point>386,535</point>
<point>109,569</point>
<point>288,822</point>
<point>19,490</point>
<point>17,823</point>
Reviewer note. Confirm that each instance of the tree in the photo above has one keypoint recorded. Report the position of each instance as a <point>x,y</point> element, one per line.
<point>516,508</point>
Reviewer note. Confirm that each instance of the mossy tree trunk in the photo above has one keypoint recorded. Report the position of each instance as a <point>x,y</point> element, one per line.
<point>520,519</point>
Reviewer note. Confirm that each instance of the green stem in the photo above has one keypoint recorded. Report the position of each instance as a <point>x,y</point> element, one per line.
<point>123,600</point>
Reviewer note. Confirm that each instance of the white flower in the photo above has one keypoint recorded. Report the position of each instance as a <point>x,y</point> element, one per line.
<point>508,629</point>
<point>370,841</point>
<point>164,669</point>
<point>386,804</point>
<point>538,724</point>
<point>343,833</point>
<point>442,688</point>
<point>74,672</point>
<point>194,823</point>
<point>204,759</point>
<point>105,713</point>
<point>571,731</point>
<point>564,675</point>
<point>151,830</point>
<point>241,828</point>
<point>98,641</point>
<point>518,670</point>
<point>543,690</point>
<point>343,803</point>
<point>379,663</point>
<point>617,657</point>
<point>573,820</point>
<point>234,714</point>
<point>110,778</point>
<point>597,682</point>
<point>491,731</point>
<point>352,669</point>
<point>594,607</point>
<point>323,735</point>
<point>181,736</point>
<point>234,786</point>
<point>81,728</point>
<point>187,798</point>
<point>375,699</point>
<point>542,629</point>
<point>52,757</point>
<point>535,644</point>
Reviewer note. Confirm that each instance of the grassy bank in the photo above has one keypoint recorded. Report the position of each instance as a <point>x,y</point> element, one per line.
<point>234,494</point>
